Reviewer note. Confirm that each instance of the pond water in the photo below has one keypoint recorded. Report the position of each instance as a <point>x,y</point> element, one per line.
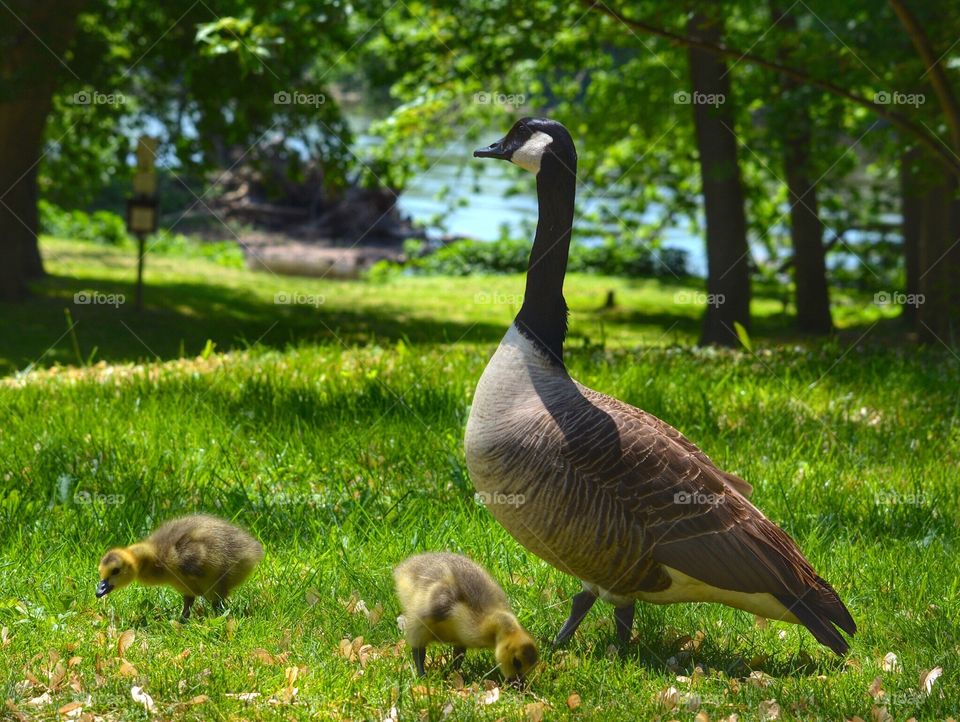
<point>472,197</point>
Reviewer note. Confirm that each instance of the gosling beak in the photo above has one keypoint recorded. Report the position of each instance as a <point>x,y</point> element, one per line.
<point>103,589</point>
<point>497,150</point>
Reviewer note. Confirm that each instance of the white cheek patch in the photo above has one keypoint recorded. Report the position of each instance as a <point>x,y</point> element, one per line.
<point>529,154</point>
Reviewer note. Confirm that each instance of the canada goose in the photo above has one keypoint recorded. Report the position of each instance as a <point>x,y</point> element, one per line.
<point>450,598</point>
<point>612,494</point>
<point>196,555</point>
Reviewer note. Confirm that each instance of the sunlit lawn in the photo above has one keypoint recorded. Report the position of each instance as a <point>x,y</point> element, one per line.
<point>337,439</point>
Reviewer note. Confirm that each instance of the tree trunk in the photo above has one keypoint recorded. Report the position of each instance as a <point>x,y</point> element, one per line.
<point>21,133</point>
<point>806,233</point>
<point>911,214</point>
<point>806,228</point>
<point>728,274</point>
<point>34,42</point>
<point>938,306</point>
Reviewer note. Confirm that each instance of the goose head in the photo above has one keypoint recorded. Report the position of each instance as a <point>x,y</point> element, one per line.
<point>534,144</point>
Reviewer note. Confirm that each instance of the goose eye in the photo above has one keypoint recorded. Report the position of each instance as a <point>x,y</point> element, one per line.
<point>517,664</point>
<point>115,572</point>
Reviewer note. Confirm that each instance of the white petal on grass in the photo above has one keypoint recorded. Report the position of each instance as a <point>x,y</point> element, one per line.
<point>244,696</point>
<point>141,697</point>
<point>668,698</point>
<point>928,678</point>
<point>43,699</point>
<point>491,696</point>
<point>890,663</point>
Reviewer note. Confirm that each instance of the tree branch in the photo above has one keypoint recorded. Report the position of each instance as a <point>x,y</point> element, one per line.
<point>938,78</point>
<point>932,142</point>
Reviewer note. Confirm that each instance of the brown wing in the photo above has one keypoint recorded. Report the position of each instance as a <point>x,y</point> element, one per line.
<point>669,431</point>
<point>695,520</point>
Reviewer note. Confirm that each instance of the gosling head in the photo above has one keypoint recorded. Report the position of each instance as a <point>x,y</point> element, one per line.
<point>533,144</point>
<point>117,569</point>
<point>516,654</point>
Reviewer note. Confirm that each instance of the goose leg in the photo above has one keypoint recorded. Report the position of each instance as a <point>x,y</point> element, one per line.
<point>419,657</point>
<point>187,603</point>
<point>581,605</point>
<point>623,618</point>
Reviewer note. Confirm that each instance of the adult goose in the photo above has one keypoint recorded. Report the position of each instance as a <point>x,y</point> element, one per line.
<point>602,490</point>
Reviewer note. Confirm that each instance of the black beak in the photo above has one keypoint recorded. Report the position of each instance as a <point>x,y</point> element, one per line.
<point>497,150</point>
<point>103,589</point>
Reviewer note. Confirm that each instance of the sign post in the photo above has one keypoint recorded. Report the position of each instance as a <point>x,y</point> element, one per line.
<point>142,208</point>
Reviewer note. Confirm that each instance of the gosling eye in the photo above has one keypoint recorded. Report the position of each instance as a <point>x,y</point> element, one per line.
<point>517,664</point>
<point>115,572</point>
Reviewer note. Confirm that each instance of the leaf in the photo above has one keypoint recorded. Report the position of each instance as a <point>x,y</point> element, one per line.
<point>743,336</point>
<point>491,696</point>
<point>759,679</point>
<point>928,678</point>
<point>573,701</point>
<point>124,642</point>
<point>199,699</point>
<point>534,712</point>
<point>127,670</point>
<point>71,709</point>
<point>263,656</point>
<point>141,697</point>
<point>875,689</point>
<point>769,710</point>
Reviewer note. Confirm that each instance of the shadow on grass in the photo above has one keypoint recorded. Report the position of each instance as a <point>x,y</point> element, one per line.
<point>180,318</point>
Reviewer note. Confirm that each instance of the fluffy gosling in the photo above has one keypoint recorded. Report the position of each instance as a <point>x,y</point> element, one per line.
<point>199,556</point>
<point>449,598</point>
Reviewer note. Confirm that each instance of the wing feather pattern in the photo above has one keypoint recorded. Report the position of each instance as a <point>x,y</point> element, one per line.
<point>697,518</point>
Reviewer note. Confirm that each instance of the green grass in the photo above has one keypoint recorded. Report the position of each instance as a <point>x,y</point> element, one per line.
<point>337,439</point>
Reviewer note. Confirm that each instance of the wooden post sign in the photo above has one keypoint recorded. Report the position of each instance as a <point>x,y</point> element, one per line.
<point>142,208</point>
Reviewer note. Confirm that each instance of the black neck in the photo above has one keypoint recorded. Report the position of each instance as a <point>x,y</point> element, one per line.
<point>543,316</point>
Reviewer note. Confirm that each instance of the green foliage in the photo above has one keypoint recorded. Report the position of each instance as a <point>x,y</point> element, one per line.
<point>611,257</point>
<point>110,229</point>
<point>99,226</point>
<point>223,253</point>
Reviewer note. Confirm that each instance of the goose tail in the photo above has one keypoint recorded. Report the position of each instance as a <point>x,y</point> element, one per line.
<point>821,611</point>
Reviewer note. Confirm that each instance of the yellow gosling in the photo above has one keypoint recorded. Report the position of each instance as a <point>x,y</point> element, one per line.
<point>451,599</point>
<point>199,556</point>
